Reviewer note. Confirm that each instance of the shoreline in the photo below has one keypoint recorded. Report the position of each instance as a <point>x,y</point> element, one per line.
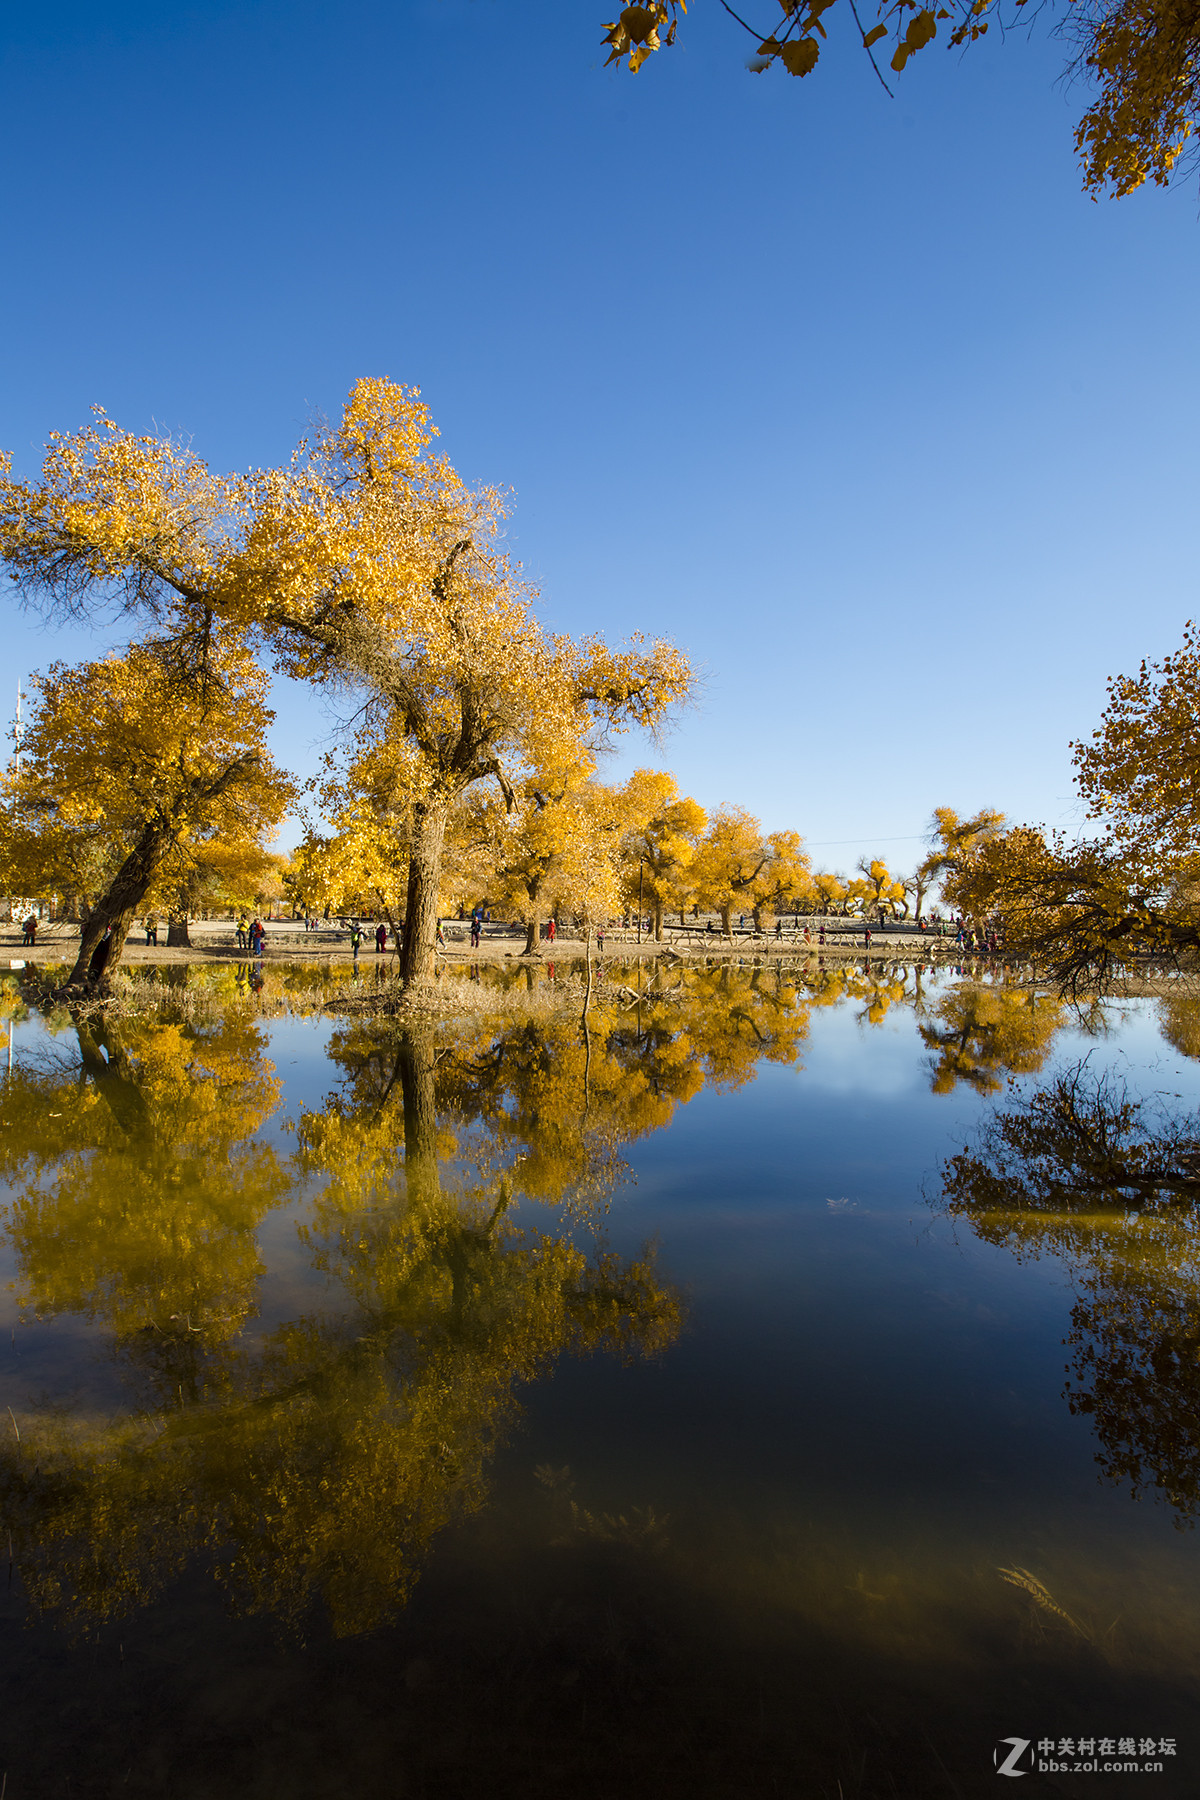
<point>213,943</point>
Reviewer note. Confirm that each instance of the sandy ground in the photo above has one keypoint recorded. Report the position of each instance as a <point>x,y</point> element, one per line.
<point>288,941</point>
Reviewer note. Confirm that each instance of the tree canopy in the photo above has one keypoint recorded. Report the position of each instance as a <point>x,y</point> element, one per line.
<point>365,565</point>
<point>135,773</point>
<point>1086,909</point>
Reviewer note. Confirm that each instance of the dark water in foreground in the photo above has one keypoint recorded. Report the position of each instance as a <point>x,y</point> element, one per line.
<point>504,1410</point>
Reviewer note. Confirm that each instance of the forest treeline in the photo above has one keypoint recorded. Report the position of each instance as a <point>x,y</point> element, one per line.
<point>367,570</point>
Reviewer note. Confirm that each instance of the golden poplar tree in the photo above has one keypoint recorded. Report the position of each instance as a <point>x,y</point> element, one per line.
<point>367,565</point>
<point>730,861</point>
<point>737,865</point>
<point>662,837</point>
<point>882,889</point>
<point>559,844</point>
<point>135,773</point>
<point>1089,909</point>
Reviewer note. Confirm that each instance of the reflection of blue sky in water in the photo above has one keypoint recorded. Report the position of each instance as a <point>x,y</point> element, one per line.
<point>862,1374</point>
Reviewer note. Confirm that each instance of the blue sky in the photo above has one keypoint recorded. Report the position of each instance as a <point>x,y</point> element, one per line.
<point>860,400</point>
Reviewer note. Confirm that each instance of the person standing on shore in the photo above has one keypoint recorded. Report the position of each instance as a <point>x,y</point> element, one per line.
<point>241,931</point>
<point>29,930</point>
<point>551,929</point>
<point>356,938</point>
<point>151,923</point>
<point>380,938</point>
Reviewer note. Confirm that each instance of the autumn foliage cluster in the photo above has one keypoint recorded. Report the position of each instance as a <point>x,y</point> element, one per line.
<point>1125,894</point>
<point>365,568</point>
<point>368,570</point>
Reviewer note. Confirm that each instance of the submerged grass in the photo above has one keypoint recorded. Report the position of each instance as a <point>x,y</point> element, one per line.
<point>1042,1598</point>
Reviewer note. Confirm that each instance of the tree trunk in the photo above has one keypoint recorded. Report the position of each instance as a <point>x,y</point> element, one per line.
<point>416,1059</point>
<point>727,921</point>
<point>424,879</point>
<point>658,921</point>
<point>111,1076</point>
<point>587,998</point>
<point>101,946</point>
<point>177,932</point>
<point>587,1035</point>
<point>116,908</point>
<point>532,930</point>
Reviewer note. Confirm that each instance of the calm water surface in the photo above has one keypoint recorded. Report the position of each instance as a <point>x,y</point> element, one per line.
<point>501,1409</point>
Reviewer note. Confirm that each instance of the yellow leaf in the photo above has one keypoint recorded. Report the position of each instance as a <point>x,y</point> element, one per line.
<point>920,31</point>
<point>640,22</point>
<point>801,57</point>
<point>873,37</point>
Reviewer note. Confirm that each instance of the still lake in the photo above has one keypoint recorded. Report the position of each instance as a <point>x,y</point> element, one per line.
<point>497,1409</point>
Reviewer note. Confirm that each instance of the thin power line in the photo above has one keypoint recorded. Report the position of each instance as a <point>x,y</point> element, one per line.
<point>865,836</point>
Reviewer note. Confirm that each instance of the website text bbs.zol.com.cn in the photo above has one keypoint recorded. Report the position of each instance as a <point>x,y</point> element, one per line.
<point>1082,1756</point>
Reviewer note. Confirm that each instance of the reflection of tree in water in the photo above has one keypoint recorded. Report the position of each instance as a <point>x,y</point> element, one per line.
<point>1112,1185</point>
<point>544,1096</point>
<point>139,1186</point>
<point>319,1463</point>
<point>1179,1017</point>
<point>981,1034</point>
